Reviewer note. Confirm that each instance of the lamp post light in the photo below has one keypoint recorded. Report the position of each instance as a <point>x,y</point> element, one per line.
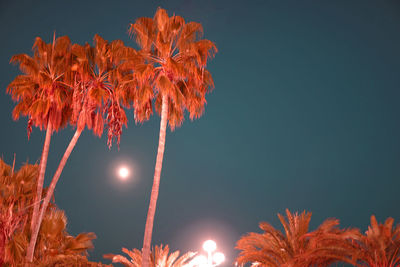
<point>212,259</point>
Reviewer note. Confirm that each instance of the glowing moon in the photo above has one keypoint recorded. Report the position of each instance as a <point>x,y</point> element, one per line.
<point>123,173</point>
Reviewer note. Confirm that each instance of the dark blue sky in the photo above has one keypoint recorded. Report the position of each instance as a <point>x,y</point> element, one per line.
<point>304,116</point>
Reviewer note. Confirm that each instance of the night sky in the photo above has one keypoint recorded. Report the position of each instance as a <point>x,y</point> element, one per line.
<point>304,116</point>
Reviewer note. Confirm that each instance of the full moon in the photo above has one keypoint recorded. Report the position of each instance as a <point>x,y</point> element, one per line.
<point>123,173</point>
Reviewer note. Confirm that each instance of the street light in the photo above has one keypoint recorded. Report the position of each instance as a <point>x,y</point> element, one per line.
<point>212,259</point>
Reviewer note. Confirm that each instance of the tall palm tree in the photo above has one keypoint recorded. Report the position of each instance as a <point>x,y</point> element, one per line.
<point>380,246</point>
<point>43,97</point>
<point>41,94</point>
<point>296,246</point>
<point>159,258</point>
<point>93,98</point>
<point>179,82</point>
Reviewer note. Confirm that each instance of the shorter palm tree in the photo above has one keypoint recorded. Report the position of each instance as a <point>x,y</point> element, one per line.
<point>160,257</point>
<point>296,246</point>
<point>17,191</point>
<point>380,246</point>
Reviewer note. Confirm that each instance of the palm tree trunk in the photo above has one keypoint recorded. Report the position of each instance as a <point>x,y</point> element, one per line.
<point>2,247</point>
<point>39,187</point>
<point>42,170</point>
<point>50,192</point>
<point>156,184</point>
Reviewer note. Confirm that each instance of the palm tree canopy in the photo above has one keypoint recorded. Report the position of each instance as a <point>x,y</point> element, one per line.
<point>160,257</point>
<point>179,58</point>
<point>96,100</point>
<point>380,246</point>
<point>297,246</point>
<point>41,91</point>
<point>17,190</point>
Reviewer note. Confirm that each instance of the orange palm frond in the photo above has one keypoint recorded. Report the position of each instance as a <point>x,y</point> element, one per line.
<point>144,30</point>
<point>190,33</point>
<point>161,18</point>
<point>160,257</point>
<point>26,64</point>
<point>380,246</point>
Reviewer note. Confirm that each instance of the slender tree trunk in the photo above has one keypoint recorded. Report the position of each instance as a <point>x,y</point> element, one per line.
<point>50,192</point>
<point>156,184</point>
<point>42,170</point>
<point>39,187</point>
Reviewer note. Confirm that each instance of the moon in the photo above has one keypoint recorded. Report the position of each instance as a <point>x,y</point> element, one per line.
<point>123,173</point>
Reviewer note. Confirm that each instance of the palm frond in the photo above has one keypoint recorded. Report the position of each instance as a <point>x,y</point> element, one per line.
<point>26,64</point>
<point>190,33</point>
<point>144,31</point>
<point>160,257</point>
<point>380,246</point>
<point>161,18</point>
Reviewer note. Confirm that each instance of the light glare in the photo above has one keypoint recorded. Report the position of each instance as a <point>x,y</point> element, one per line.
<point>209,246</point>
<point>218,258</point>
<point>123,173</point>
<point>199,260</point>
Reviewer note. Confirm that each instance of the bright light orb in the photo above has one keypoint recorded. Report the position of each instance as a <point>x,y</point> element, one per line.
<point>218,258</point>
<point>209,246</point>
<point>123,173</point>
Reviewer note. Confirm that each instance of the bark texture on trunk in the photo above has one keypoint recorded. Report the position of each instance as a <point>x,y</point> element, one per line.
<point>2,248</point>
<point>39,188</point>
<point>156,184</point>
<point>50,191</point>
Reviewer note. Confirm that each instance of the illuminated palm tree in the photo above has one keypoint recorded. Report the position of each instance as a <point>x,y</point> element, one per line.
<point>17,191</point>
<point>93,98</point>
<point>297,247</point>
<point>380,246</point>
<point>43,97</point>
<point>179,82</point>
<point>159,258</point>
<point>95,93</point>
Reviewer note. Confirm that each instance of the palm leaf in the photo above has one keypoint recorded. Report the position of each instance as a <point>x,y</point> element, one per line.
<point>160,257</point>
<point>26,64</point>
<point>144,30</point>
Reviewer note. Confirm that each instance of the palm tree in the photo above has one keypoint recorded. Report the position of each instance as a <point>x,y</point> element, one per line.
<point>159,258</point>
<point>179,82</point>
<point>42,96</point>
<point>297,247</point>
<point>17,191</point>
<point>380,246</point>
<point>93,97</point>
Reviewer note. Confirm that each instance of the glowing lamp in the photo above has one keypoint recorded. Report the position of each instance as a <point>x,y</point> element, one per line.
<point>209,246</point>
